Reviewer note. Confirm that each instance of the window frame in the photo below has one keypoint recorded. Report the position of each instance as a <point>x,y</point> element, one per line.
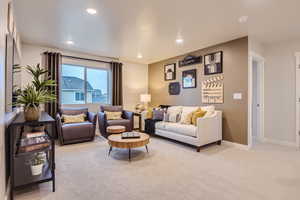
<point>86,67</point>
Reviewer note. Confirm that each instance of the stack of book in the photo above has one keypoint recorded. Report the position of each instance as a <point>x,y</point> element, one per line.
<point>34,141</point>
<point>128,135</point>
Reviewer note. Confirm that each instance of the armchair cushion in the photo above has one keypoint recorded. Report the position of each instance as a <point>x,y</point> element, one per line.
<point>77,130</point>
<point>73,111</point>
<point>120,122</point>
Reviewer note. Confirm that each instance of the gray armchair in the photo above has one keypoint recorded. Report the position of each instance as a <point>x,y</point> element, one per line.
<point>127,119</point>
<point>76,132</point>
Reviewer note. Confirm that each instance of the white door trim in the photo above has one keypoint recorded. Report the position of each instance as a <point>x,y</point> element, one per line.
<point>297,55</point>
<point>261,66</point>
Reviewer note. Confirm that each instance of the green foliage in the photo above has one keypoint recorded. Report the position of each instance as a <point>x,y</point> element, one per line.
<point>39,91</point>
<point>38,159</point>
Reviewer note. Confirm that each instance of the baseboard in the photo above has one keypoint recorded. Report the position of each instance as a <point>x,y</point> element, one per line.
<point>7,192</point>
<point>233,144</point>
<point>279,142</point>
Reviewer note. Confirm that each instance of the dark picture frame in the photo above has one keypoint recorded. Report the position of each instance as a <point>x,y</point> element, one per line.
<point>170,72</point>
<point>189,79</point>
<point>213,63</point>
<point>174,88</point>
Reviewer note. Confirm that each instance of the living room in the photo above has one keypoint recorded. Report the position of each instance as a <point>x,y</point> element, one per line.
<point>149,100</point>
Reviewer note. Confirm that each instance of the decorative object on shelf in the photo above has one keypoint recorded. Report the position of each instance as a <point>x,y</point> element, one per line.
<point>190,60</point>
<point>37,163</point>
<point>174,88</point>
<point>189,79</point>
<point>170,72</point>
<point>213,63</point>
<point>35,94</point>
<point>212,90</point>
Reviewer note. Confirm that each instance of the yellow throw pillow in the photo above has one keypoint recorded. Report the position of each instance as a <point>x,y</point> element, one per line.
<point>67,119</point>
<point>197,114</point>
<point>149,114</point>
<point>113,115</point>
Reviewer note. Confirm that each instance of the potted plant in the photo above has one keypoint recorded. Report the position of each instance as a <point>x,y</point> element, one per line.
<point>36,93</point>
<point>37,163</point>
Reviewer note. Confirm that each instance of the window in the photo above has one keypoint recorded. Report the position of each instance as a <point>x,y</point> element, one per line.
<point>81,85</point>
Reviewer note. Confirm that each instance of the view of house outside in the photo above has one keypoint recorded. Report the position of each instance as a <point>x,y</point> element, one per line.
<point>76,90</point>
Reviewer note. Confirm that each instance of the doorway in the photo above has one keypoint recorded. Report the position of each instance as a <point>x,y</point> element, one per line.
<point>256,99</point>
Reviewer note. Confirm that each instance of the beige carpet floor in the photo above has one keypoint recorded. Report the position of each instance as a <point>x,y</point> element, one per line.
<point>172,171</point>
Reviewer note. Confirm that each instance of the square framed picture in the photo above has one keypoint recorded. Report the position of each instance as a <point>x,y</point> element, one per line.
<point>170,72</point>
<point>213,63</point>
<point>189,79</point>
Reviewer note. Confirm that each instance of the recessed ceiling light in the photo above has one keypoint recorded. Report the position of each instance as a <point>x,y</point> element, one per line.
<point>91,11</point>
<point>70,42</point>
<point>243,19</point>
<point>139,55</point>
<point>179,40</point>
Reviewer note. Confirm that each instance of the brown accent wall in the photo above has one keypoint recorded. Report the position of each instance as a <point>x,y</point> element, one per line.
<point>235,71</point>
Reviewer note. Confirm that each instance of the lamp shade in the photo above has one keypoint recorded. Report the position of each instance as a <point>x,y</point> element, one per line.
<point>145,98</point>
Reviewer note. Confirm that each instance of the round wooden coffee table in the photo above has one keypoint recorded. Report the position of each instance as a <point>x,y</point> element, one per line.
<point>117,142</point>
<point>115,129</point>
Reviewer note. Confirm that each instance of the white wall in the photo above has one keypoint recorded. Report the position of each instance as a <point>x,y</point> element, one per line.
<point>3,25</point>
<point>135,76</point>
<point>280,93</point>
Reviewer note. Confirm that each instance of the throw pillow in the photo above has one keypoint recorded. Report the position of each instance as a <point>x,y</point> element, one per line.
<point>149,114</point>
<point>158,114</point>
<point>174,113</point>
<point>67,119</point>
<point>113,115</point>
<point>197,114</point>
<point>210,110</point>
<point>186,114</point>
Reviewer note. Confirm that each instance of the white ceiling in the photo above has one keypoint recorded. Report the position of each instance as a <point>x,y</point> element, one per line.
<point>124,28</point>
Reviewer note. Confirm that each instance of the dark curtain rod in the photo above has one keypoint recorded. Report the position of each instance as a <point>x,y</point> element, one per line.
<point>88,59</point>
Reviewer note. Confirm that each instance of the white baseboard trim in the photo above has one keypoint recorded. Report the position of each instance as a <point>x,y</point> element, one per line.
<point>7,192</point>
<point>279,142</point>
<point>233,144</point>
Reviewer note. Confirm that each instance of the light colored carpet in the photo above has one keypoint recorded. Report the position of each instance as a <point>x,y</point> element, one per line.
<point>172,171</point>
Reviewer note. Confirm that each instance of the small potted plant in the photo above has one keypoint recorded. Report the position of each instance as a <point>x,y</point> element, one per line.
<point>36,93</point>
<point>37,163</point>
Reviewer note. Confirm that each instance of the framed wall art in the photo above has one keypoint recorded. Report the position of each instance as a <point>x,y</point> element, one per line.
<point>170,72</point>
<point>213,63</point>
<point>212,90</point>
<point>189,79</point>
<point>174,88</point>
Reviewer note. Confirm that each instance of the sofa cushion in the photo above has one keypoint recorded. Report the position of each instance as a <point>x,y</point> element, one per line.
<point>77,130</point>
<point>111,108</point>
<point>210,110</point>
<point>186,114</point>
<point>183,129</point>
<point>197,114</point>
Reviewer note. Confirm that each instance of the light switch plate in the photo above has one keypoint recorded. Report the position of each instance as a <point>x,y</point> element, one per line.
<point>237,96</point>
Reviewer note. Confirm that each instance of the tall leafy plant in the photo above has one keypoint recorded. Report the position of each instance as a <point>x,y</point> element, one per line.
<point>38,92</point>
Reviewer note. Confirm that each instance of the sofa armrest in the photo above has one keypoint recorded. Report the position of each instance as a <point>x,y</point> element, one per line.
<point>209,129</point>
<point>129,115</point>
<point>102,121</point>
<point>92,117</point>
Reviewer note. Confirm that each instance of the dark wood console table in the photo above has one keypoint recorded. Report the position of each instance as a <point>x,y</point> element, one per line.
<point>20,170</point>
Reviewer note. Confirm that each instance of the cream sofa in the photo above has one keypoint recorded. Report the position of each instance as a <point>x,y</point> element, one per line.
<point>208,129</point>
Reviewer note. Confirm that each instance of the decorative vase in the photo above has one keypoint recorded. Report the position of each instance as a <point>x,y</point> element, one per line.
<point>36,169</point>
<point>32,113</point>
